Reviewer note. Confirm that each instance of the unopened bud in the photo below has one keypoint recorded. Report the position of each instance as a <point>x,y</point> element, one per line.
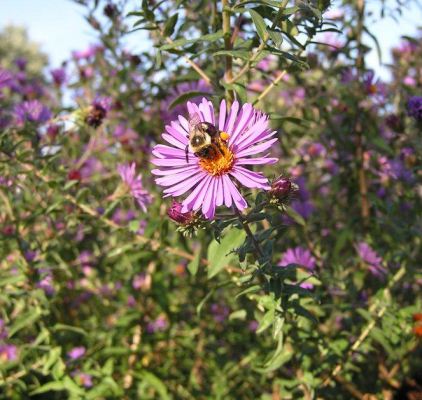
<point>188,222</point>
<point>282,192</point>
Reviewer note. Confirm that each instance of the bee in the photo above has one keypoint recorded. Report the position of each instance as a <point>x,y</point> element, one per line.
<point>205,140</point>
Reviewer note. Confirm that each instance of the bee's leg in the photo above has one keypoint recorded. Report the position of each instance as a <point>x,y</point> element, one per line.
<point>187,153</point>
<point>218,145</point>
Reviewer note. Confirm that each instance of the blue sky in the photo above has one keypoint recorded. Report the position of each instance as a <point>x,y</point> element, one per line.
<point>60,27</point>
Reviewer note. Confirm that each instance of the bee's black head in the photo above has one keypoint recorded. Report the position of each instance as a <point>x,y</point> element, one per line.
<point>208,128</point>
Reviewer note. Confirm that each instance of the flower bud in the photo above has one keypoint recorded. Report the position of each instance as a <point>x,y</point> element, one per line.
<point>188,222</point>
<point>282,192</point>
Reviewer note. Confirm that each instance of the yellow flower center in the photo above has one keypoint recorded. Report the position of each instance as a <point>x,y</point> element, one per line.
<point>373,89</point>
<point>220,162</point>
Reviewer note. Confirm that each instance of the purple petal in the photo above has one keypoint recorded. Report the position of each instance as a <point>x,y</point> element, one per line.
<point>256,161</point>
<point>222,118</point>
<point>256,149</point>
<point>231,118</point>
<point>183,187</point>
<point>242,122</point>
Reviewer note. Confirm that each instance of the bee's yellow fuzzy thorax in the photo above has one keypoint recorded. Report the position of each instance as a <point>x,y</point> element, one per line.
<point>220,164</point>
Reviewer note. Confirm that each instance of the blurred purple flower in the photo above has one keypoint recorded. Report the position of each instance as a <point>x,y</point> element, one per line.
<point>220,312</point>
<point>31,111</point>
<point>99,109</point>
<point>83,378</point>
<point>46,284</point>
<point>173,93</point>
<point>139,193</point>
<point>374,87</point>
<point>5,78</point>
<point>371,258</point>
<point>298,255</point>
<point>76,352</point>
<point>159,325</point>
<point>8,352</point>
<point>414,107</point>
<point>59,76</point>
<point>21,63</point>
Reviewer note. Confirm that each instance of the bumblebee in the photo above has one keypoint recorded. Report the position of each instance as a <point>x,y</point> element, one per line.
<point>205,140</point>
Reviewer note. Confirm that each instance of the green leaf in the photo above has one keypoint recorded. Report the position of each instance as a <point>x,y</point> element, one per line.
<point>303,312</point>
<point>217,253</point>
<point>10,280</point>
<point>244,55</point>
<point>212,37</point>
<point>63,327</point>
<point>276,37</point>
<point>157,384</point>
<point>23,321</point>
<point>266,321</point>
<point>289,28</point>
<point>295,216</point>
<point>48,387</point>
<point>134,225</point>
<point>251,289</point>
<point>184,97</point>
<point>276,362</point>
<point>239,314</point>
<point>315,10</point>
<point>194,264</point>
<point>53,356</point>
<point>170,25</point>
<point>296,289</point>
<point>261,26</point>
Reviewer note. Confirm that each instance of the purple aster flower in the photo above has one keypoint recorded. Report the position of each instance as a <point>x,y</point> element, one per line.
<point>59,76</point>
<point>76,352</point>
<point>298,255</point>
<point>21,63</point>
<point>220,312</point>
<point>83,378</point>
<point>31,111</point>
<point>46,284</point>
<point>414,107</point>
<point>140,194</point>
<point>371,258</point>
<point>5,78</point>
<point>124,134</point>
<point>185,87</point>
<point>159,325</point>
<point>99,109</point>
<point>8,352</point>
<point>175,213</point>
<point>374,87</point>
<point>211,179</point>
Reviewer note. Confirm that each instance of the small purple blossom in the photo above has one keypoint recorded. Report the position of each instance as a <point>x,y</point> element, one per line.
<point>137,190</point>
<point>414,107</point>
<point>76,352</point>
<point>59,76</point>
<point>298,255</point>
<point>31,111</point>
<point>5,78</point>
<point>173,93</point>
<point>159,325</point>
<point>8,352</point>
<point>220,312</point>
<point>370,257</point>
<point>83,378</point>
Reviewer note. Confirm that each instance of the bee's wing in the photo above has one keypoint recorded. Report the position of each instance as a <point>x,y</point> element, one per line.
<point>194,120</point>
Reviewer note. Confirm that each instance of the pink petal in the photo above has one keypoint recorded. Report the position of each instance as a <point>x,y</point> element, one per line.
<point>208,205</point>
<point>243,120</point>
<point>256,161</point>
<point>195,199</point>
<point>173,171</point>
<point>183,187</point>
<point>219,193</point>
<point>231,118</point>
<point>228,201</point>
<point>222,118</point>
<point>256,149</point>
<point>178,133</point>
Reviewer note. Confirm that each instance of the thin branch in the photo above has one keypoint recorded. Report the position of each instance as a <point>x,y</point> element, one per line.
<point>270,87</point>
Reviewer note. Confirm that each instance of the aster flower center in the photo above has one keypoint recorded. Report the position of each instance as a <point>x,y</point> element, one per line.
<point>220,163</point>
